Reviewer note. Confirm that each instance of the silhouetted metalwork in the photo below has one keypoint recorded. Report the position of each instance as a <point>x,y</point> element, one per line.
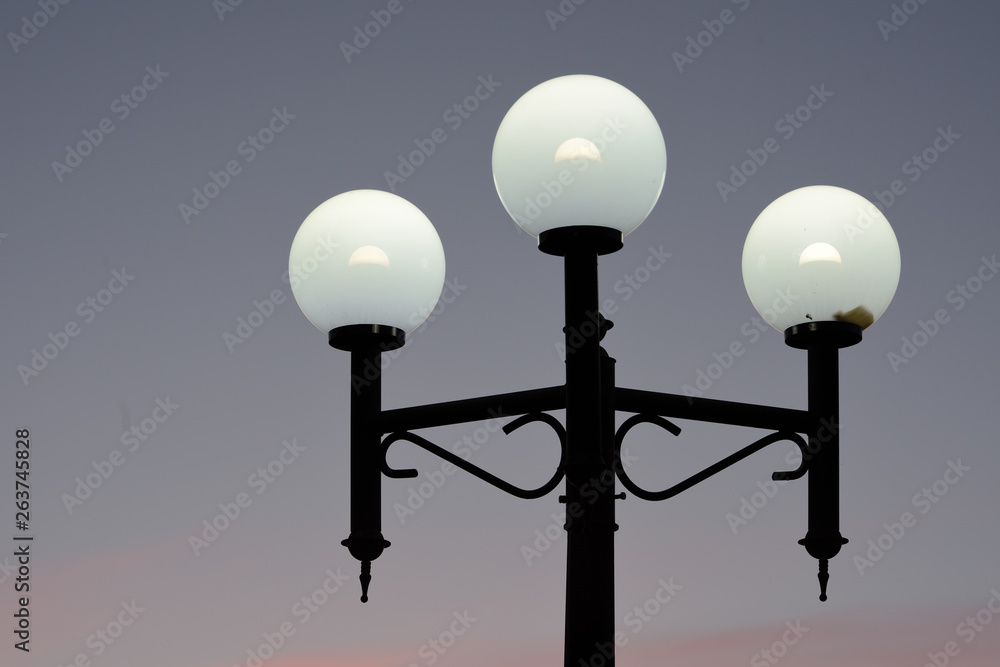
<point>590,447</point>
<point>707,472</point>
<point>458,461</point>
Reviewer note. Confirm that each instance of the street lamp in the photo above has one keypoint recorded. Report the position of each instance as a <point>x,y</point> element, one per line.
<point>579,162</point>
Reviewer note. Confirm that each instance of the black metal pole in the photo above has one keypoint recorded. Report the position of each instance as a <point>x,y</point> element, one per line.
<point>366,542</point>
<point>590,623</point>
<point>823,341</point>
<point>823,539</point>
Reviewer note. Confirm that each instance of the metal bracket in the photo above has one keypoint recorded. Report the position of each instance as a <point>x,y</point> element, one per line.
<point>707,472</point>
<point>487,477</point>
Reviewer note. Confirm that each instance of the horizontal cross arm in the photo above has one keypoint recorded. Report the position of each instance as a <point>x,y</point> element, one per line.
<point>473,409</point>
<point>712,410</point>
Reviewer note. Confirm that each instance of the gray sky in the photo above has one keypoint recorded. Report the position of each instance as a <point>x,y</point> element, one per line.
<point>101,248</point>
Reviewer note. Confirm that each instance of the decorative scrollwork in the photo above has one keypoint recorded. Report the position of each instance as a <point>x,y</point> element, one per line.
<point>709,471</point>
<point>459,462</point>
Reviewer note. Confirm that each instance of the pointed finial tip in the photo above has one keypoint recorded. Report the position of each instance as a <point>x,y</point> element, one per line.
<point>366,578</point>
<point>824,577</point>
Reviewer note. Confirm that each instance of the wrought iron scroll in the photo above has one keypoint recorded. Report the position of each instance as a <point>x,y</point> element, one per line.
<point>709,471</point>
<point>487,477</point>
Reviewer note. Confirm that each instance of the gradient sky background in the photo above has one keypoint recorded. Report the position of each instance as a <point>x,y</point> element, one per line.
<point>162,336</point>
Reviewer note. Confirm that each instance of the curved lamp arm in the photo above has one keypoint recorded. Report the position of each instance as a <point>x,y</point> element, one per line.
<point>707,472</point>
<point>487,477</point>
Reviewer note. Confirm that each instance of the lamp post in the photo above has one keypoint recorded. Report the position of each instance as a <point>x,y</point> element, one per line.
<point>579,162</point>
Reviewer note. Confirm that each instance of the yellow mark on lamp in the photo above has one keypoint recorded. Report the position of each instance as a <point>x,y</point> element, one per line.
<point>577,148</point>
<point>820,252</point>
<point>369,254</point>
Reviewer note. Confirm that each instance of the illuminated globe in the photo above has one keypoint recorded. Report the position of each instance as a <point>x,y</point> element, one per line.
<point>579,150</point>
<point>820,254</point>
<point>366,257</point>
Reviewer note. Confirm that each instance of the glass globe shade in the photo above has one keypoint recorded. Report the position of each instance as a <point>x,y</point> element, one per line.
<point>366,257</point>
<point>579,150</point>
<point>820,253</point>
